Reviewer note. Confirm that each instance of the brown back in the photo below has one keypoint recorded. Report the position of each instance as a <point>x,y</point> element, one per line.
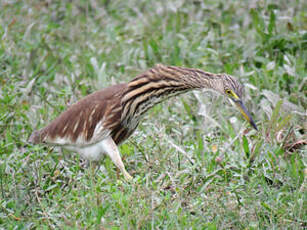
<point>77,124</point>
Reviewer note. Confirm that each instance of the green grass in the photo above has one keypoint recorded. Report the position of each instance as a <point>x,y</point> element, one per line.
<point>55,52</point>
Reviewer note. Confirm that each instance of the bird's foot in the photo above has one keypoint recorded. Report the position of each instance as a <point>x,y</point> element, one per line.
<point>127,176</point>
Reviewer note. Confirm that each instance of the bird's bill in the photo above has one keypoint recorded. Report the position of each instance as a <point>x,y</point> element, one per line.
<point>245,113</point>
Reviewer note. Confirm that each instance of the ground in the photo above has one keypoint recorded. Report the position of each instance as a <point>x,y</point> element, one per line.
<point>196,163</point>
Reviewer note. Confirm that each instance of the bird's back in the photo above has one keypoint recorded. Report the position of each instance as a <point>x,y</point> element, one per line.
<point>86,122</point>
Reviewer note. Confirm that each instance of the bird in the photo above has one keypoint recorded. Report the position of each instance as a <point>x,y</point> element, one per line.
<point>97,124</point>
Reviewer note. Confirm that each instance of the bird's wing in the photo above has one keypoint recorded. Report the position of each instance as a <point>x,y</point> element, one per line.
<point>85,122</point>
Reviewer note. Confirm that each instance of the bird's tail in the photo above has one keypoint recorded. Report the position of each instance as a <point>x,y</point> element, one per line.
<point>35,137</point>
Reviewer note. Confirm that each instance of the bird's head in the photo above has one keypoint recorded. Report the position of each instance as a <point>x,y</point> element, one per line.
<point>233,90</point>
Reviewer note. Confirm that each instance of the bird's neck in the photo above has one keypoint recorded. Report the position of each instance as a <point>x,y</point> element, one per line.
<point>158,84</point>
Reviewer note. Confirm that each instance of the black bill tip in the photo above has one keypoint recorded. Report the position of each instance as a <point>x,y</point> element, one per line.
<point>245,113</point>
<point>253,124</point>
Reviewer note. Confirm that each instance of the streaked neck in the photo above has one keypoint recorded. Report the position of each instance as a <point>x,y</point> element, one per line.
<point>158,84</point>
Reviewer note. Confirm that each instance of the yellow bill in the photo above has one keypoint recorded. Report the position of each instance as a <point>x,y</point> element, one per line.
<point>245,113</point>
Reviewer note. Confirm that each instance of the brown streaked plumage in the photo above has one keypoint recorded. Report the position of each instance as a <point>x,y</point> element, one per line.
<point>96,124</point>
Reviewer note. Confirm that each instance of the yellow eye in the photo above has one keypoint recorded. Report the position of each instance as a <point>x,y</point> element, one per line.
<point>228,91</point>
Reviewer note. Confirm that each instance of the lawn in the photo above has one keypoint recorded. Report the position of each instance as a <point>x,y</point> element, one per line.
<point>196,163</point>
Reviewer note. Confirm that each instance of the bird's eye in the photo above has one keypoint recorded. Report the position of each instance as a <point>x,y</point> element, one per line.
<point>228,91</point>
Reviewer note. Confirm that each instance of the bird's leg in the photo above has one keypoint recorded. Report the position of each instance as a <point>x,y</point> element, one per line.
<point>110,148</point>
<point>93,166</point>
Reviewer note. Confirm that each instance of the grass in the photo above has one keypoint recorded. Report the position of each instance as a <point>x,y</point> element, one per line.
<point>55,52</point>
